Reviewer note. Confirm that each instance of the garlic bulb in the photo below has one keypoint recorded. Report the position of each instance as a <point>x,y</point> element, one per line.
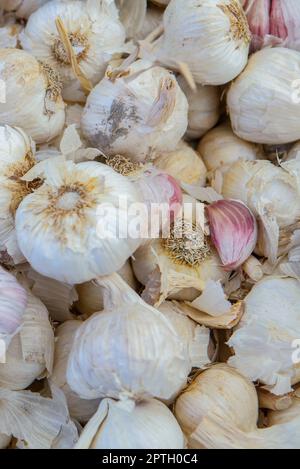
<point>220,148</point>
<point>197,337</point>
<point>213,40</point>
<point>130,350</point>
<point>178,265</point>
<point>30,353</point>
<point>128,114</point>
<point>148,424</point>
<point>132,15</point>
<point>68,229</point>
<point>293,152</point>
<point>80,409</point>
<point>263,101</point>
<point>32,95</point>
<point>153,19</point>
<point>263,341</point>
<point>184,164</point>
<point>9,33</point>
<point>22,8</point>
<point>204,108</point>
<point>4,440</point>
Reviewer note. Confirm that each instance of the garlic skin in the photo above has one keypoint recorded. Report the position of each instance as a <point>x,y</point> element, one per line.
<point>67,228</point>
<point>204,108</point>
<point>263,102</point>
<point>148,424</point>
<point>263,340</point>
<point>94,31</point>
<point>32,95</point>
<point>128,115</point>
<point>153,19</point>
<point>80,409</point>
<point>132,15</point>
<point>184,164</point>
<point>215,55</point>
<point>9,33</point>
<point>220,148</point>
<point>22,8</point>
<point>129,350</point>
<point>4,440</point>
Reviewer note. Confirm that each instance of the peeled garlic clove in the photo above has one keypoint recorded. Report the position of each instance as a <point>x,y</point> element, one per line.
<point>32,95</point>
<point>220,148</point>
<point>213,41</point>
<point>184,164</point>
<point>126,425</point>
<point>22,8</point>
<point>128,350</point>
<point>128,115</point>
<point>263,341</point>
<point>233,230</point>
<point>263,101</point>
<point>204,108</point>
<point>68,229</point>
<point>94,31</point>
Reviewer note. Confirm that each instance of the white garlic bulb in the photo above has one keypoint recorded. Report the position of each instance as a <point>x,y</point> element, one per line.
<point>32,95</point>
<point>263,101</point>
<point>30,353</point>
<point>153,19</point>
<point>263,341</point>
<point>211,37</point>
<point>220,148</point>
<point>68,229</point>
<point>130,350</point>
<point>184,164</point>
<point>80,409</point>
<point>129,114</point>
<point>9,32</point>
<point>144,425</point>
<point>22,8</point>
<point>92,27</point>
<point>204,107</point>
<point>132,15</point>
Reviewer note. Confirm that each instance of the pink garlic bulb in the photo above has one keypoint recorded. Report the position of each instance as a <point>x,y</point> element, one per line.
<point>233,230</point>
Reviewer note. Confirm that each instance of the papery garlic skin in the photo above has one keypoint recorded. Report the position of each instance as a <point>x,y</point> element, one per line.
<point>32,95</point>
<point>22,8</point>
<point>184,164</point>
<point>153,19</point>
<point>118,425</point>
<point>204,108</point>
<point>132,15</point>
<point>214,54</point>
<point>263,101</point>
<point>68,228</point>
<point>129,350</point>
<point>263,341</point>
<point>129,115</point>
<point>93,28</point>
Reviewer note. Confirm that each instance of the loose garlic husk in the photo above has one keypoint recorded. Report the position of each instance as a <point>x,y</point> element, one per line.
<point>22,8</point>
<point>92,27</point>
<point>74,227</point>
<point>263,341</point>
<point>30,353</point>
<point>129,113</point>
<point>129,350</point>
<point>263,101</point>
<point>32,95</point>
<point>211,37</point>
<point>220,148</point>
<point>178,265</point>
<point>132,15</point>
<point>204,107</point>
<point>184,164</point>
<point>80,409</point>
<point>147,424</point>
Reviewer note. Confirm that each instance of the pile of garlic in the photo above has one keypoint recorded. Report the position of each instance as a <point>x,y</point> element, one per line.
<point>149,224</point>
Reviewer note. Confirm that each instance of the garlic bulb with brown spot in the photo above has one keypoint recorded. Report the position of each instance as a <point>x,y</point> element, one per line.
<point>32,95</point>
<point>127,114</point>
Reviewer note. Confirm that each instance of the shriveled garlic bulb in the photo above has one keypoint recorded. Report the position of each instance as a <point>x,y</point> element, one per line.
<point>30,353</point>
<point>132,15</point>
<point>184,164</point>
<point>92,29</point>
<point>178,265</point>
<point>211,37</point>
<point>32,95</point>
<point>22,8</point>
<point>263,101</point>
<point>204,107</point>
<point>130,350</point>
<point>263,341</point>
<point>127,114</point>
<point>80,409</point>
<point>126,425</point>
<point>4,440</point>
<point>74,227</point>
<point>220,148</point>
